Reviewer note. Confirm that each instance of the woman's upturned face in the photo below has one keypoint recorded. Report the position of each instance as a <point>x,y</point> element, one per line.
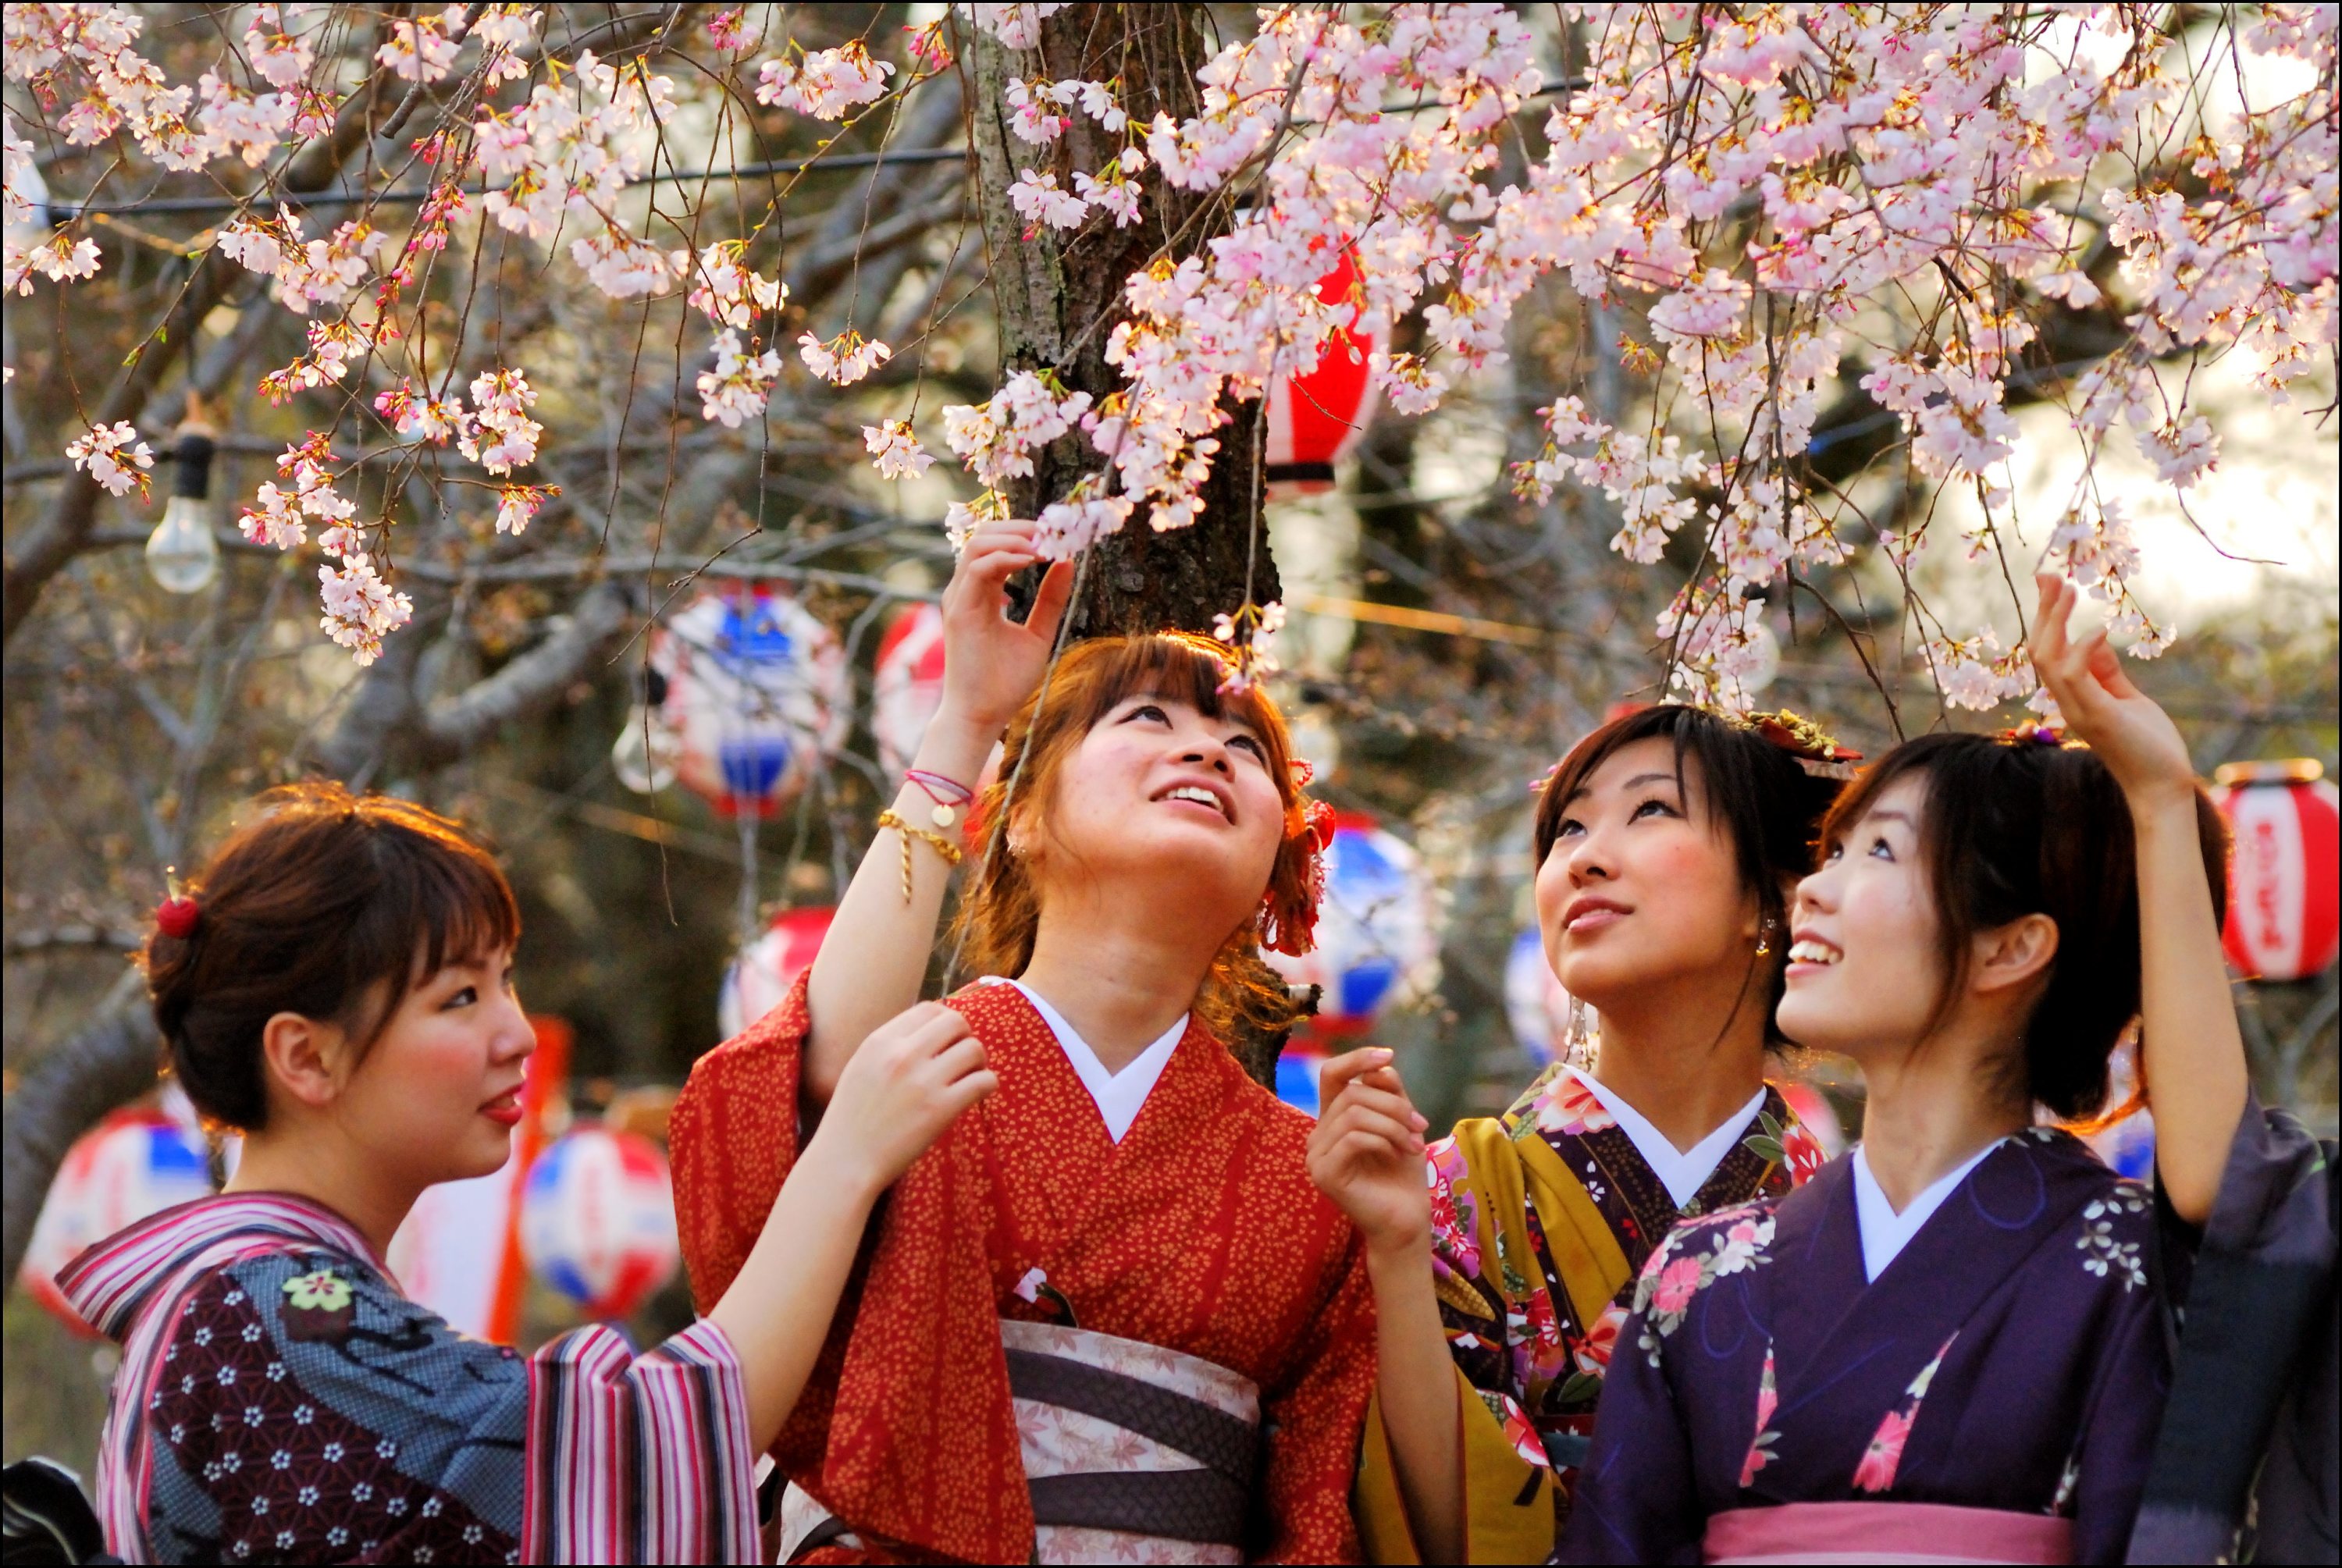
<point>1162,798</point>
<point>1641,886</point>
<point>438,1095</point>
<point>1863,969</point>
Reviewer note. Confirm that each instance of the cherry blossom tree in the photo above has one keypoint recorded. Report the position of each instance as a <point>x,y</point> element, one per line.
<point>526,314</point>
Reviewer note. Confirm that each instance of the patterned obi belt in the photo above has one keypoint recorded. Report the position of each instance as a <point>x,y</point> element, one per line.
<point>1886,1532</point>
<point>1134,1453</point>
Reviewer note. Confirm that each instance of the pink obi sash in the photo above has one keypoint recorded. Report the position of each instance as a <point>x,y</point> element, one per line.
<point>1886,1532</point>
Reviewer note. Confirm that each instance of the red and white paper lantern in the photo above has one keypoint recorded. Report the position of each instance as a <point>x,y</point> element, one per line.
<point>2282,913</point>
<point>133,1164</point>
<point>1317,417</point>
<point>597,1220</point>
<point>758,980</point>
<point>756,691</point>
<point>909,686</point>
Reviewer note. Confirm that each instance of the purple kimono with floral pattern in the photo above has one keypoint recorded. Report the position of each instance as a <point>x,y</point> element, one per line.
<point>2011,1358</point>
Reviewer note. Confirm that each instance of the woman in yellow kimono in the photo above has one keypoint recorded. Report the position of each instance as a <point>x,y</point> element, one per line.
<point>1667,841</point>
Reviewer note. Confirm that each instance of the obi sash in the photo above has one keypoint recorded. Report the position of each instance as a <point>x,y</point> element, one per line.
<point>1886,1532</point>
<point>1133,1452</point>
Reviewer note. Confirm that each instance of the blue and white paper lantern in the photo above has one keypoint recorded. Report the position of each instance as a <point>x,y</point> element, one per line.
<point>757,690</point>
<point>1377,947</point>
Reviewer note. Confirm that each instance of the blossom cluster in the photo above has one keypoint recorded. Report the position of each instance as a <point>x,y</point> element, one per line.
<point>360,607</point>
<point>1780,189</point>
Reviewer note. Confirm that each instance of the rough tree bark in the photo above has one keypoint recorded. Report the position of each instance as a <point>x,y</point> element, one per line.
<point>1059,295</point>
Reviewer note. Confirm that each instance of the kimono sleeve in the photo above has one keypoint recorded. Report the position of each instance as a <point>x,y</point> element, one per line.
<point>1637,1498</point>
<point>1313,1424</point>
<point>1508,1512</point>
<point>733,1140</point>
<point>2254,1390</point>
<point>314,1414</point>
<point>2123,1409</point>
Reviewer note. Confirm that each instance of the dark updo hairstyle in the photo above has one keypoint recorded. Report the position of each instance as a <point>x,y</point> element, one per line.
<point>1757,792</point>
<point>328,904</point>
<point>2025,826</point>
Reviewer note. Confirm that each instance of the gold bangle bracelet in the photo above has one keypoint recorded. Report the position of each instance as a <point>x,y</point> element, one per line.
<point>942,845</point>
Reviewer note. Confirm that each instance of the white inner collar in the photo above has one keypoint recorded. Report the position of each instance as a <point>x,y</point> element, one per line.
<point>1886,1233</point>
<point>1118,1095</point>
<point>1682,1171</point>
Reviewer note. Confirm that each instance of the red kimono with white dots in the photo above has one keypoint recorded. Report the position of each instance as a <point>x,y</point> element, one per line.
<point>1199,1232</point>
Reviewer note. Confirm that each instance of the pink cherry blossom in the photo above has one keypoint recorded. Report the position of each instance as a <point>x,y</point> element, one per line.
<point>114,456</point>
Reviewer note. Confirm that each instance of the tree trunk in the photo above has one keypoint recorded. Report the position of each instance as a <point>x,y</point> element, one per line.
<point>113,1058</point>
<point>1059,295</point>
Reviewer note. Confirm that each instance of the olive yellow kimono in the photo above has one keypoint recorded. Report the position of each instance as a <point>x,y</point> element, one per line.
<point>1541,1218</point>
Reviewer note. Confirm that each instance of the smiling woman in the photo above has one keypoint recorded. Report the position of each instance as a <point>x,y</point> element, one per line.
<point>1106,1318</point>
<point>337,985</point>
<point>1809,1374</point>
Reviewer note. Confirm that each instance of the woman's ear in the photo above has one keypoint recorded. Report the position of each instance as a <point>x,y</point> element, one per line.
<point>2012,954</point>
<point>301,1057</point>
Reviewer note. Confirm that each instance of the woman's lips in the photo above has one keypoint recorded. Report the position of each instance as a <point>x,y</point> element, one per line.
<point>1591,915</point>
<point>504,1109</point>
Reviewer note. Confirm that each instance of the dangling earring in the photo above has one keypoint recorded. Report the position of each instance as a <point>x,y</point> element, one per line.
<point>1765,936</point>
<point>1579,1052</point>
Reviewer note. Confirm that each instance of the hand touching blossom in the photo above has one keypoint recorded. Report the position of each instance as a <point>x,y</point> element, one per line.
<point>2101,706</point>
<point>992,663</point>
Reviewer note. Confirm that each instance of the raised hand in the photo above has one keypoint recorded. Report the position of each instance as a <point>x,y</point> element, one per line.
<point>992,663</point>
<point>901,1089</point>
<point>2131,735</point>
<point>1365,1153</point>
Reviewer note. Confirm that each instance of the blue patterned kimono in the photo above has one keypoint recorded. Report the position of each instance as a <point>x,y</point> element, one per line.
<point>2003,1378</point>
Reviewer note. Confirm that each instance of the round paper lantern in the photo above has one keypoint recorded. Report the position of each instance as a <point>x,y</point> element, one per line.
<point>132,1165</point>
<point>1315,418</point>
<point>760,979</point>
<point>755,689</point>
<point>909,684</point>
<point>2282,922</point>
<point>1535,1002</point>
<point>1377,932</point>
<point>597,1220</point>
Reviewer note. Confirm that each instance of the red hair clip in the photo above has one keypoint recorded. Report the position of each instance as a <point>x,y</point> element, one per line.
<point>178,914</point>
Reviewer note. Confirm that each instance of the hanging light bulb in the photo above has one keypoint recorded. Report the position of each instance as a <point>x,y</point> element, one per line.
<point>647,753</point>
<point>182,556</point>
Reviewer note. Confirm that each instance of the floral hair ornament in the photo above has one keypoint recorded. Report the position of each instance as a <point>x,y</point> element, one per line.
<point>1288,912</point>
<point>178,914</point>
<point>2030,733</point>
<point>1816,751</point>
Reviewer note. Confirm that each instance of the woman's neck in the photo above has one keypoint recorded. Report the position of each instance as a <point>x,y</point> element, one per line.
<point>1933,1103</point>
<point>314,1163</point>
<point>1686,1056</point>
<point>1120,978</point>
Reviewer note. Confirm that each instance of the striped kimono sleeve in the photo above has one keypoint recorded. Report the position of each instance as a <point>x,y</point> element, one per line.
<point>639,1459</point>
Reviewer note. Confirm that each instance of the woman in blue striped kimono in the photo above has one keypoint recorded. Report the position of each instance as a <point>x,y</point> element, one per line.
<point>338,987</point>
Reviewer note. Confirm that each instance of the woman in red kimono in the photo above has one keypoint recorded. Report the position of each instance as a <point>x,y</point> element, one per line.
<point>1666,844</point>
<point>1106,1318</point>
<point>1950,1345</point>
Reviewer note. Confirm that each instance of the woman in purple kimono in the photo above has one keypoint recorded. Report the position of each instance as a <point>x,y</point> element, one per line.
<point>339,985</point>
<point>1949,1345</point>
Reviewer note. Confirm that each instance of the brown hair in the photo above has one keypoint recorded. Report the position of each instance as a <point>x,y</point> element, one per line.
<point>321,903</point>
<point>1755,790</point>
<point>2018,827</point>
<point>1001,909</point>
